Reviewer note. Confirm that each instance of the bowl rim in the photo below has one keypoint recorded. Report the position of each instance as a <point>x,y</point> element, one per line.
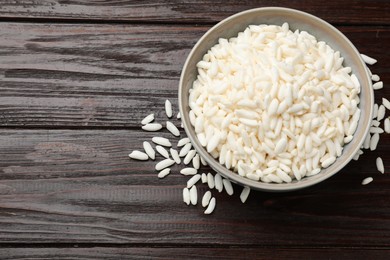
<point>236,178</point>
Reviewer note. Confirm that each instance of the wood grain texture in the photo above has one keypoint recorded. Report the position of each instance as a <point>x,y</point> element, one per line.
<point>110,76</point>
<point>204,11</point>
<point>66,186</point>
<point>192,253</point>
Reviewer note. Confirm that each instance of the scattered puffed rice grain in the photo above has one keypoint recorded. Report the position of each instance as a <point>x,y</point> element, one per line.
<point>196,162</point>
<point>244,194</point>
<point>168,108</point>
<point>193,195</point>
<point>204,178</point>
<point>375,111</point>
<point>218,182</point>
<point>228,186</point>
<point>164,164</point>
<point>377,85</point>
<point>184,151</point>
<point>161,150</point>
<point>367,180</point>
<point>149,150</point>
<point>152,127</point>
<point>367,140</point>
<point>386,103</point>
<point>206,199</point>
<point>210,181</point>
<point>172,128</point>
<point>164,173</point>
<point>375,123</point>
<point>161,141</point>
<point>375,77</point>
<point>376,130</point>
<point>387,125</point>
<point>381,112</point>
<point>138,155</point>
<point>147,119</point>
<point>379,165</point>
<point>194,179</point>
<point>183,141</point>
<point>203,162</point>
<point>175,155</point>
<point>178,115</point>
<point>189,157</point>
<point>374,142</point>
<point>186,196</point>
<point>210,207</point>
<point>188,171</point>
<point>368,60</point>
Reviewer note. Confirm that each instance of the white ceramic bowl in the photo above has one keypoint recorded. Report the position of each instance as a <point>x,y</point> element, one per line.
<point>323,31</point>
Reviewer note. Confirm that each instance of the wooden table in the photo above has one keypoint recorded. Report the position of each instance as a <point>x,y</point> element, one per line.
<point>76,78</point>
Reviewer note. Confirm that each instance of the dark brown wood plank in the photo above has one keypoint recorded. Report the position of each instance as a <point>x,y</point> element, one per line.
<point>205,11</point>
<point>66,186</point>
<point>78,75</point>
<point>193,253</point>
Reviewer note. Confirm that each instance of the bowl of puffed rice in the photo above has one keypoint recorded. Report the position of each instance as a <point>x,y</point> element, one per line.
<point>275,99</point>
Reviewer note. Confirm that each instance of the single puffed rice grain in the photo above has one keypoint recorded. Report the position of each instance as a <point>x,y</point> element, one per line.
<point>164,164</point>
<point>193,195</point>
<point>186,196</point>
<point>196,162</point>
<point>189,157</point>
<point>149,150</point>
<point>386,103</point>
<point>375,111</point>
<point>379,165</point>
<point>244,194</point>
<point>184,151</point>
<point>178,115</point>
<point>183,141</point>
<point>374,142</point>
<point>206,198</point>
<point>194,179</point>
<point>210,207</point>
<point>367,180</point>
<point>381,112</point>
<point>368,60</point>
<point>204,178</point>
<point>376,130</point>
<point>228,186</point>
<point>175,156</point>
<point>172,128</point>
<point>137,155</point>
<point>367,140</point>
<point>203,162</point>
<point>378,85</point>
<point>375,77</point>
<point>147,119</point>
<point>188,171</point>
<point>168,108</point>
<point>161,141</point>
<point>218,182</point>
<point>375,123</point>
<point>152,127</point>
<point>164,173</point>
<point>387,125</point>
<point>210,180</point>
<point>161,150</point>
